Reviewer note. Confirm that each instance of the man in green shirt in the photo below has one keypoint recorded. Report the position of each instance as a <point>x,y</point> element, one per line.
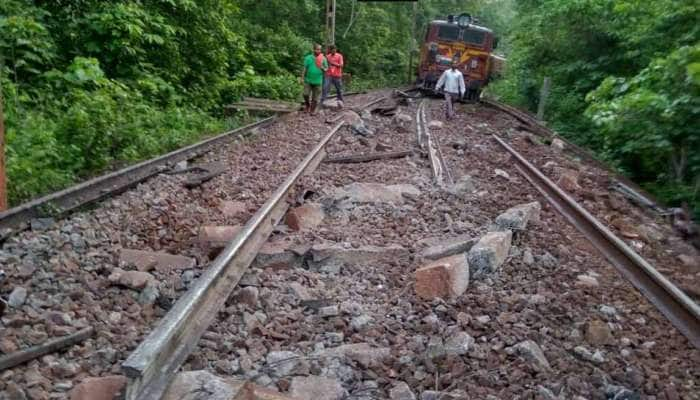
<point>315,65</point>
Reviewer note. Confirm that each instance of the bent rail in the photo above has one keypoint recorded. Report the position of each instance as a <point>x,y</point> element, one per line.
<point>681,310</point>
<point>429,142</point>
<point>151,367</point>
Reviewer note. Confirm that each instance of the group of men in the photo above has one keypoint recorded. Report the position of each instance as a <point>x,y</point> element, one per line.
<point>319,73</point>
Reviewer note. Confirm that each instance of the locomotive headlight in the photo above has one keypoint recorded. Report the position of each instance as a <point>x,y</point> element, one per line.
<point>464,20</point>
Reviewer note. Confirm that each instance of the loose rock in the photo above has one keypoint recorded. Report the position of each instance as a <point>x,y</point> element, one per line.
<point>401,391</point>
<point>104,388</point>
<point>305,217</point>
<point>449,247</point>
<point>533,353</point>
<point>217,237</point>
<point>459,343</point>
<point>489,253</point>
<point>17,297</point>
<point>196,385</point>
<point>131,279</point>
<point>516,218</point>
<point>317,388</point>
<point>598,333</point>
<point>446,278</point>
<point>147,260</point>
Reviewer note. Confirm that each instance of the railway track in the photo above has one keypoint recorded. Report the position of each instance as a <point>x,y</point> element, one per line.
<point>145,364</point>
<point>681,310</point>
<point>104,186</point>
<point>383,286</point>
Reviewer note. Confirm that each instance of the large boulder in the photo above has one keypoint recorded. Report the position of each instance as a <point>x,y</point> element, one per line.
<point>445,278</point>
<point>516,218</point>
<point>489,253</point>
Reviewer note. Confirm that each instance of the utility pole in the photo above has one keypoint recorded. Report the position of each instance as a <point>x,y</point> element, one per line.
<point>3,184</point>
<point>330,22</point>
<point>411,43</point>
<point>544,93</point>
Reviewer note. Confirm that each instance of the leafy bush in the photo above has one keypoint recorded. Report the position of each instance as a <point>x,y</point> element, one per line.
<point>96,123</point>
<point>284,86</point>
<point>647,123</point>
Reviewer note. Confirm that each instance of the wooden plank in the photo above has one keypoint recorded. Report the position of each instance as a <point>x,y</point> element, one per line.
<point>361,158</point>
<point>28,354</point>
<point>260,107</point>
<point>267,101</point>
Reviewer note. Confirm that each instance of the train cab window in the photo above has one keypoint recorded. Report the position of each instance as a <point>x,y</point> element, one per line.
<point>447,32</point>
<point>474,37</point>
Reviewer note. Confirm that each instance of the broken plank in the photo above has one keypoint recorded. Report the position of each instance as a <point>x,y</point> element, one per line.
<point>260,107</point>
<point>252,100</point>
<point>360,158</point>
<point>28,354</point>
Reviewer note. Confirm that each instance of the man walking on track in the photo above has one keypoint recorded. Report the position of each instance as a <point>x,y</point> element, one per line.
<point>312,76</point>
<point>334,75</point>
<point>452,82</point>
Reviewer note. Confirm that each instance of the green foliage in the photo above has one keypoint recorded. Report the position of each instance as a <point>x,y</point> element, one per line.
<point>648,123</point>
<point>248,83</point>
<point>624,82</point>
<point>95,123</point>
<point>91,84</point>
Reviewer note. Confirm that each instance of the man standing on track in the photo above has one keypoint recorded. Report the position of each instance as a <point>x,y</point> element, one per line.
<point>312,77</point>
<point>452,82</point>
<point>334,75</point>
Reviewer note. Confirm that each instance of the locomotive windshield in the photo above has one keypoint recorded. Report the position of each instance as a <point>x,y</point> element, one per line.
<point>448,32</point>
<point>474,37</point>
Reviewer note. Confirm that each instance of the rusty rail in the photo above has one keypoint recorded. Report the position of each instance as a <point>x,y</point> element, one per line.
<point>151,367</point>
<point>682,311</point>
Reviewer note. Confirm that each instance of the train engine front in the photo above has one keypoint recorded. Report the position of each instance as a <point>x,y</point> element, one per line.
<point>456,39</point>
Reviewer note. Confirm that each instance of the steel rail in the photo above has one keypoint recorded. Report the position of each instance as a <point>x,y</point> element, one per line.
<point>151,367</point>
<point>646,199</point>
<point>441,172</point>
<point>100,187</point>
<point>681,310</point>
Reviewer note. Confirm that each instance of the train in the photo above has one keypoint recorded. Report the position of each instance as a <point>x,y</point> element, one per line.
<point>459,39</point>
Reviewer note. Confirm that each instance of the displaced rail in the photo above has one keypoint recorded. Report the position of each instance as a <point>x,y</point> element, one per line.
<point>682,311</point>
<point>431,143</point>
<point>151,367</point>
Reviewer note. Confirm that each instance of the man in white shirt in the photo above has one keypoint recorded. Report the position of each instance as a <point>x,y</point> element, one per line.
<point>452,83</point>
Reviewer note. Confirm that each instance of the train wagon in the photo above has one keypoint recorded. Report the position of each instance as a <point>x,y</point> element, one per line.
<point>458,39</point>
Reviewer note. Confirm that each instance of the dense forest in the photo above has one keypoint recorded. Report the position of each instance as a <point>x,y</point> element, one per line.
<point>89,85</point>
